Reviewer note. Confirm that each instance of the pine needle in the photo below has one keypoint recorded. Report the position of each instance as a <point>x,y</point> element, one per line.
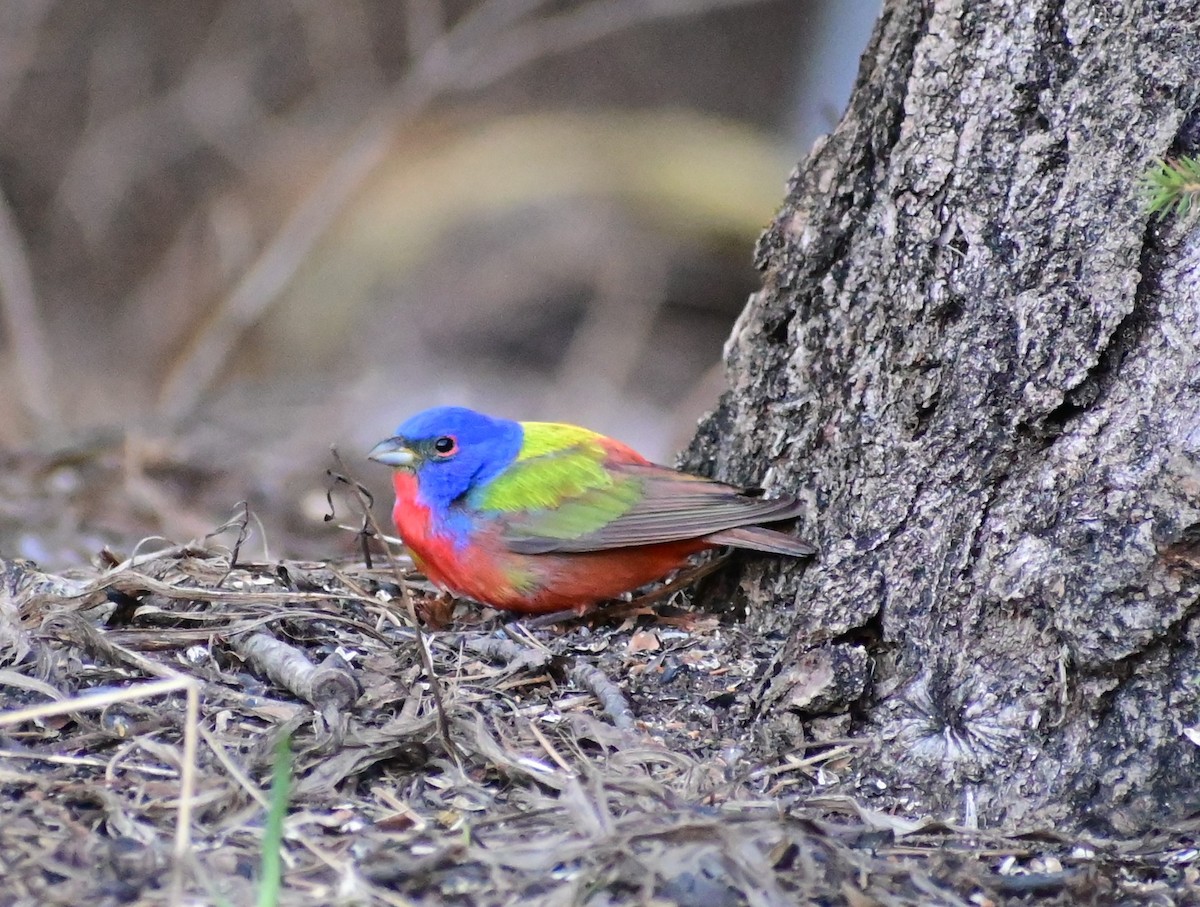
<point>1172,187</point>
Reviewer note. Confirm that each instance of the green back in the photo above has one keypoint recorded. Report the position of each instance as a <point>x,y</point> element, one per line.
<point>559,486</point>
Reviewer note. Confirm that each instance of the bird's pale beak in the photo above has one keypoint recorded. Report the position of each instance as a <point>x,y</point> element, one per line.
<point>392,452</point>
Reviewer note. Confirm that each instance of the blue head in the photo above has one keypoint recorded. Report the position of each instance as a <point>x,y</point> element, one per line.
<point>451,449</point>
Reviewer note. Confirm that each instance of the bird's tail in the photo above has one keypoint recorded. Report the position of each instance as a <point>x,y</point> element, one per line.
<point>755,538</point>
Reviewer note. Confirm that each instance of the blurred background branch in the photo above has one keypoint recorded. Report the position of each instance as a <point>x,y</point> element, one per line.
<point>22,322</point>
<point>494,40</point>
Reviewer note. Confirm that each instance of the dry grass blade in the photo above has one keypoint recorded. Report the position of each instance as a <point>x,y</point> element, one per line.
<point>187,767</point>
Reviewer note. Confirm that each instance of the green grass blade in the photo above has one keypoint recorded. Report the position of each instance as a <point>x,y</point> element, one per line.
<point>271,869</point>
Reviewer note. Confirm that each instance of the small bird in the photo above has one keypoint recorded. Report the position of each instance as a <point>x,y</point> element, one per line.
<point>538,517</point>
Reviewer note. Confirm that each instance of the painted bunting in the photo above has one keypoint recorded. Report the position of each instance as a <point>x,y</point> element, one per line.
<point>539,517</point>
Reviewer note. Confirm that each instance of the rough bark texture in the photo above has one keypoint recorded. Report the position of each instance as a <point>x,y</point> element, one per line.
<point>981,362</point>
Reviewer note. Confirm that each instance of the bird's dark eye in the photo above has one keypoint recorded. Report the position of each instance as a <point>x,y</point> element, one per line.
<point>445,445</point>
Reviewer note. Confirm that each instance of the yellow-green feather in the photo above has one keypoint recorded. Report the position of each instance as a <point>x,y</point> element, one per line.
<point>541,438</point>
<point>558,486</point>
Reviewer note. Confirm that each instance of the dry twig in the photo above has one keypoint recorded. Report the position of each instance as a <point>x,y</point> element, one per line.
<point>330,684</point>
<point>608,693</point>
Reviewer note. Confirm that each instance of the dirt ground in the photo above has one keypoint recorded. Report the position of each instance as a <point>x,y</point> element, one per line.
<point>464,758</point>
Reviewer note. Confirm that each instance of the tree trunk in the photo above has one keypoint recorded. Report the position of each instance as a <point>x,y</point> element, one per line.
<point>980,361</point>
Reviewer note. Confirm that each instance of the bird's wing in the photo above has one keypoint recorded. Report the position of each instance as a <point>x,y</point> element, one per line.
<point>582,492</point>
<point>644,506</point>
<point>559,487</point>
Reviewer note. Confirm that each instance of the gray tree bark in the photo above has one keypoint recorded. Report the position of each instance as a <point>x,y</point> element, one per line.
<point>980,360</point>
